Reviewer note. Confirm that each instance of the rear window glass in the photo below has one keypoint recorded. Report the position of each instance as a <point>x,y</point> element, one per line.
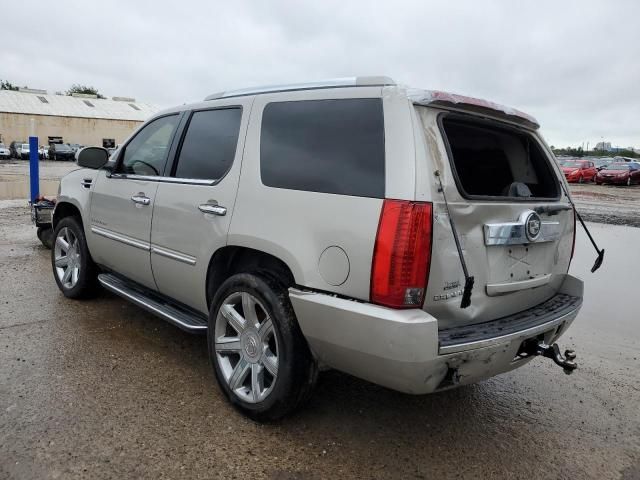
<point>209,145</point>
<point>329,146</point>
<point>495,161</point>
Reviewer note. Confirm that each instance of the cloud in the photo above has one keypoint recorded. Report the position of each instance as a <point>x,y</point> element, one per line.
<point>573,64</point>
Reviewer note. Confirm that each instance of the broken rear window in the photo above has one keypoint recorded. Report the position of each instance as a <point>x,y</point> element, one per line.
<point>492,160</point>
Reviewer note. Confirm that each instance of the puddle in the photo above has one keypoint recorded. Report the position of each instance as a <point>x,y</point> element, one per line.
<point>18,188</point>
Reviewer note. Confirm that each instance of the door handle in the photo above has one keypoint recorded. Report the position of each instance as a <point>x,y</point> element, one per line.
<point>213,208</point>
<point>141,199</point>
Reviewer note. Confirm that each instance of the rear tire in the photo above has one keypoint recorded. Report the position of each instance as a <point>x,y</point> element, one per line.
<point>73,269</point>
<point>259,356</point>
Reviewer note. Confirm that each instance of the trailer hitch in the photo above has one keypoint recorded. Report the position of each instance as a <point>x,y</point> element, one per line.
<point>553,352</point>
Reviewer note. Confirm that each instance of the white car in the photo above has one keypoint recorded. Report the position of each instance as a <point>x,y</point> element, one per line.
<point>24,151</point>
<point>4,151</point>
<point>417,239</point>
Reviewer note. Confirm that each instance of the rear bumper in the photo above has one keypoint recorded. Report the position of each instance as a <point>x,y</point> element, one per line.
<point>405,351</point>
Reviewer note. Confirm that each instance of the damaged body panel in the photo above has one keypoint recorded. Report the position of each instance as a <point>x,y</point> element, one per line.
<point>404,350</point>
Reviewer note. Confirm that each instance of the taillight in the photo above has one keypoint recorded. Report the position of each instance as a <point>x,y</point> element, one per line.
<point>402,254</point>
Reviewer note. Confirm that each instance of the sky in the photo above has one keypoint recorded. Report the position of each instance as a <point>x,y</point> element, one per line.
<point>574,65</point>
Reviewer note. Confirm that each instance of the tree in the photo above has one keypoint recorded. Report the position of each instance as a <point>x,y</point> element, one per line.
<point>7,85</point>
<point>77,88</point>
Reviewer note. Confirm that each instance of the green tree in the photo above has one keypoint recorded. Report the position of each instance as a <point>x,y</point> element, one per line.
<point>77,88</point>
<point>7,85</point>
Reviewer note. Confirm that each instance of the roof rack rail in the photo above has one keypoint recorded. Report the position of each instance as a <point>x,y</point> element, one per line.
<point>332,83</point>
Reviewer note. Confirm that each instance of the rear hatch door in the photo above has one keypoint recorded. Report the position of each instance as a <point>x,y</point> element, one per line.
<point>513,220</point>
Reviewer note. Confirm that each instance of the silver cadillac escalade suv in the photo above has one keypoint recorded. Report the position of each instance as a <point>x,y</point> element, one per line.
<point>416,239</point>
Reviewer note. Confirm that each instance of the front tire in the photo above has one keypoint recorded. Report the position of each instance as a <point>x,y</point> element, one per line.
<point>73,269</point>
<point>629,182</point>
<point>259,355</point>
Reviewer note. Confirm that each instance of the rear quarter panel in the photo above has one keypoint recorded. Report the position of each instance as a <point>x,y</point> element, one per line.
<point>298,226</point>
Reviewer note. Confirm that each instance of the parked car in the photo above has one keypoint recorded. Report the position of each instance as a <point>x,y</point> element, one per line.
<point>620,173</point>
<point>24,151</point>
<point>306,226</point>
<point>4,151</point>
<point>15,148</point>
<point>61,151</point>
<point>579,170</point>
<point>75,147</point>
<point>602,163</point>
<point>43,152</point>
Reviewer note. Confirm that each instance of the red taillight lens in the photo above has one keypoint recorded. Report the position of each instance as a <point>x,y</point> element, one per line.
<point>402,254</point>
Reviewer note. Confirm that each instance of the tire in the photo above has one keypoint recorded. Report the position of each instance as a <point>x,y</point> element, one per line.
<point>598,183</point>
<point>84,282</point>
<point>581,179</point>
<point>243,367</point>
<point>629,182</point>
<point>45,235</point>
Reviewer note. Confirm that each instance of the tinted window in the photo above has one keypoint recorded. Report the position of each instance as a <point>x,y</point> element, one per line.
<point>330,146</point>
<point>209,145</point>
<point>147,152</point>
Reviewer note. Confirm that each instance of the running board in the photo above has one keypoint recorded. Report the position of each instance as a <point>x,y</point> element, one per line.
<point>179,315</point>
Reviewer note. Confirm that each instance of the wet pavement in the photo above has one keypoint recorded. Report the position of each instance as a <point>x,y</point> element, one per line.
<point>101,389</point>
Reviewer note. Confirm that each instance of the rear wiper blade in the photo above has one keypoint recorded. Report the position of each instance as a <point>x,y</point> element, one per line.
<point>468,279</point>
<point>600,257</point>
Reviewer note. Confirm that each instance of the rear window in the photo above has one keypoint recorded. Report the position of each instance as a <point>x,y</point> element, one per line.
<point>209,145</point>
<point>492,160</point>
<point>328,146</point>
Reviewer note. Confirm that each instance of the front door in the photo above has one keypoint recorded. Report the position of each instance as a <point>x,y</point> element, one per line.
<point>122,202</point>
<point>193,208</point>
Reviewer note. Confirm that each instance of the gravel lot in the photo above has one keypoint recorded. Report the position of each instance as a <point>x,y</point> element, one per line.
<point>102,389</point>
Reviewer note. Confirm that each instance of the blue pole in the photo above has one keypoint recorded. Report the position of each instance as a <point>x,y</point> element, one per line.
<point>34,175</point>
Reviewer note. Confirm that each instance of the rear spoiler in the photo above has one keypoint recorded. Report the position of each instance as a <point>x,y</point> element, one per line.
<point>452,101</point>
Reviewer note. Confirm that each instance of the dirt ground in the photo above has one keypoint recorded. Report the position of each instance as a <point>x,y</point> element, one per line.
<point>100,389</point>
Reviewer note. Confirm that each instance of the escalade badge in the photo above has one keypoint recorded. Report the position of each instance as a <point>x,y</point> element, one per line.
<point>533,226</point>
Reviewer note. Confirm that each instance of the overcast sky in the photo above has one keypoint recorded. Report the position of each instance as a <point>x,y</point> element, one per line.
<point>574,65</point>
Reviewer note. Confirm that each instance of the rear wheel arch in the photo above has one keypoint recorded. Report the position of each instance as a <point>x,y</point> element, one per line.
<point>231,259</point>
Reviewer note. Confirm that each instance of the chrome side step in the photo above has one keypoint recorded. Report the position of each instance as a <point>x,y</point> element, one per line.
<point>179,315</point>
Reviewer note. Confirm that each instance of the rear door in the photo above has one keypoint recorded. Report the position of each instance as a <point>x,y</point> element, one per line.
<point>193,208</point>
<point>122,202</point>
<point>514,222</point>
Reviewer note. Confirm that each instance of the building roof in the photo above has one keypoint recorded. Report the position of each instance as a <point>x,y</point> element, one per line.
<point>65,106</point>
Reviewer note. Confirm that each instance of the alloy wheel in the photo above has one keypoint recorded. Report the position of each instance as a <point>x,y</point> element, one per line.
<point>246,347</point>
<point>67,258</point>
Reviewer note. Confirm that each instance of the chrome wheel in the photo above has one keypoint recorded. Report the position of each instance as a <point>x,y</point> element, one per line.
<point>67,258</point>
<point>246,347</point>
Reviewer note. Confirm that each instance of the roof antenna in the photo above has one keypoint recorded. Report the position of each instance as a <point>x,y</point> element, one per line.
<point>468,279</point>
<point>600,257</point>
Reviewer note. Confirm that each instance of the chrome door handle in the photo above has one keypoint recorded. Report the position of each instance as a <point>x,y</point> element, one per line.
<point>213,208</point>
<point>141,199</point>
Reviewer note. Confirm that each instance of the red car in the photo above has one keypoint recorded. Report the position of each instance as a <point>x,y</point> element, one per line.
<point>619,174</point>
<point>579,170</point>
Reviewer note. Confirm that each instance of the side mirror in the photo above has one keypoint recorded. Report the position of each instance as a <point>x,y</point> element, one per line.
<point>92,157</point>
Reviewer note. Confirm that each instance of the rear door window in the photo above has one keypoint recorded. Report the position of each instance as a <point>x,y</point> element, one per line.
<point>209,145</point>
<point>329,146</point>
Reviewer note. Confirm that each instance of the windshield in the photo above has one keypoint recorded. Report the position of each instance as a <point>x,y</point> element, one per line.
<point>62,147</point>
<point>572,164</point>
<point>617,167</point>
<point>25,146</point>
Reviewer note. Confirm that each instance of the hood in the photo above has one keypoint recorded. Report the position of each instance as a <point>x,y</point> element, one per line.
<point>569,169</point>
